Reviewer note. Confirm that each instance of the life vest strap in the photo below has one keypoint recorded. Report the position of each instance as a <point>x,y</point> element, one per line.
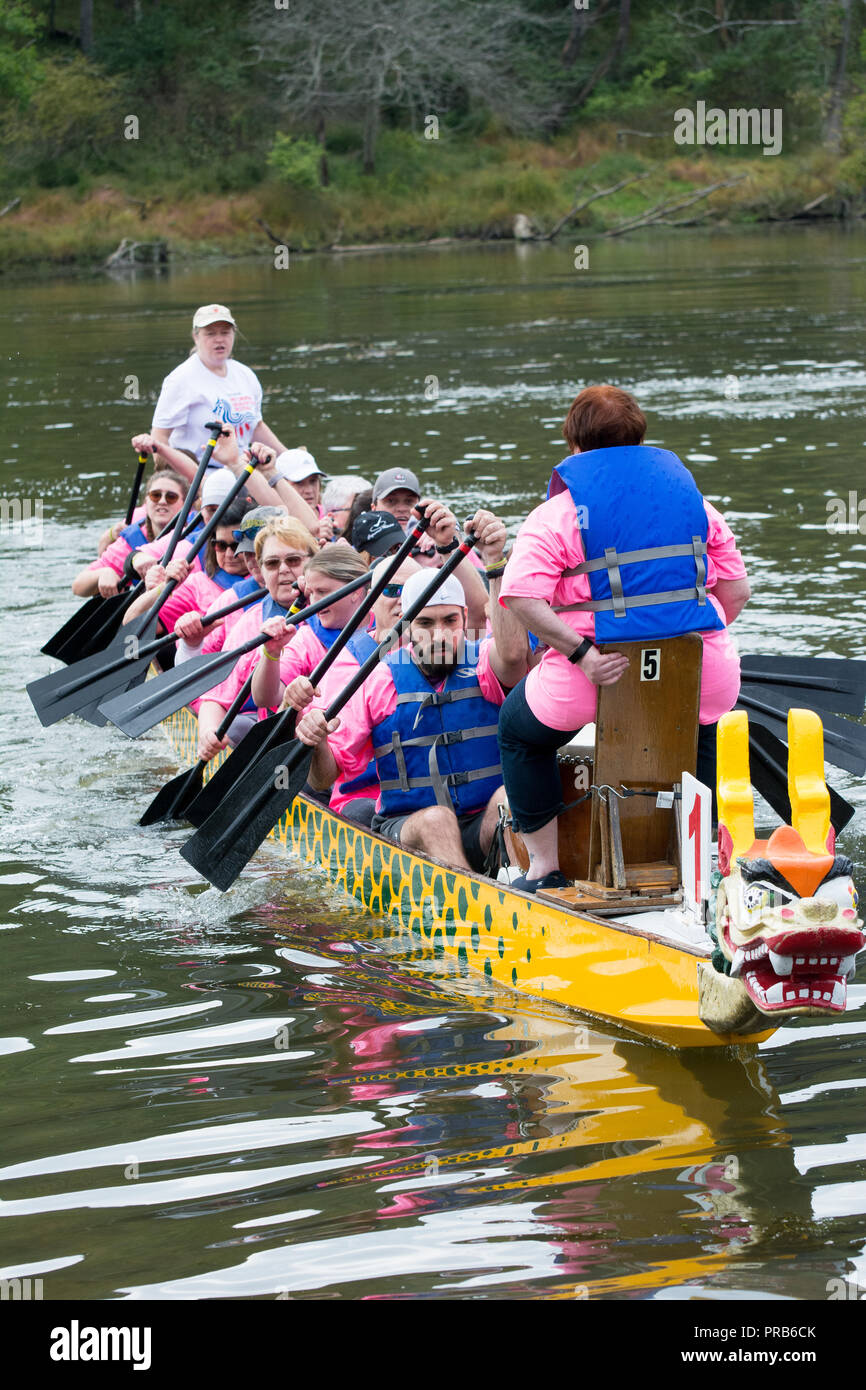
<point>441,781</point>
<point>636,557</point>
<point>425,740</point>
<point>603,605</point>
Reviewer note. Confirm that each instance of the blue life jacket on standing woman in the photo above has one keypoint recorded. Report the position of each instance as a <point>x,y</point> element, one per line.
<point>644,531</point>
<point>439,747</point>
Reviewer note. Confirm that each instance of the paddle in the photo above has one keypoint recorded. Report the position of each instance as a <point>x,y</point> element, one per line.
<point>836,683</point>
<point>844,742</point>
<point>135,711</point>
<point>63,644</point>
<point>768,758</point>
<point>80,688</point>
<point>226,842</point>
<point>96,679</point>
<point>136,488</point>
<point>171,801</point>
<point>93,625</point>
<point>281,726</point>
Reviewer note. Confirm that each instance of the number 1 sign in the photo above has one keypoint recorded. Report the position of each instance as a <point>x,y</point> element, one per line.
<point>696,825</point>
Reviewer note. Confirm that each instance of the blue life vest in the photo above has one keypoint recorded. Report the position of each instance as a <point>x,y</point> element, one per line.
<point>644,531</point>
<point>326,635</point>
<point>438,747</point>
<point>225,580</point>
<point>247,586</point>
<point>272,609</point>
<point>134,535</point>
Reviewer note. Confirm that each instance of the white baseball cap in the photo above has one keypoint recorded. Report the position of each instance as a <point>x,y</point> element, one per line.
<point>216,487</point>
<point>450,591</point>
<point>296,464</point>
<point>212,313</point>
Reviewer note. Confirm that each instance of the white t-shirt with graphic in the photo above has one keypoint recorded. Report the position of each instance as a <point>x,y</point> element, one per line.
<point>192,395</point>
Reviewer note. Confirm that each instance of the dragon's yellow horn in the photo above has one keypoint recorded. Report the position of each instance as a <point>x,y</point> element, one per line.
<point>807,790</point>
<point>736,801</point>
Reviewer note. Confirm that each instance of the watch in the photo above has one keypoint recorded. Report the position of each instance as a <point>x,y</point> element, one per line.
<point>580,652</point>
<point>446,549</point>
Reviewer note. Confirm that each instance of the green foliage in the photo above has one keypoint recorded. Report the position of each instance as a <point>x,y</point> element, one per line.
<point>73,111</point>
<point>295,160</point>
<point>20,67</point>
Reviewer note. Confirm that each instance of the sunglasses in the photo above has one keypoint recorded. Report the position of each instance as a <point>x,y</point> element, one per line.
<point>158,496</point>
<point>226,545</point>
<point>273,563</point>
<point>392,591</point>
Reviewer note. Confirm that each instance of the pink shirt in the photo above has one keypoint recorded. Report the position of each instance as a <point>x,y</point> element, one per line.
<point>114,555</point>
<point>302,655</point>
<point>352,743</point>
<point>220,636</point>
<point>548,542</point>
<point>195,595</point>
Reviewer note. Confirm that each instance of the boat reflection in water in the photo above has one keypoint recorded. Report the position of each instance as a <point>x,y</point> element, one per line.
<point>600,1166</point>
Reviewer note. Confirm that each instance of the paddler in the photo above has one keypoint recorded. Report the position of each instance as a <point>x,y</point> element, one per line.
<point>354,797</point>
<point>163,499</point>
<point>613,495</point>
<point>428,714</point>
<point>283,547</point>
<point>222,569</point>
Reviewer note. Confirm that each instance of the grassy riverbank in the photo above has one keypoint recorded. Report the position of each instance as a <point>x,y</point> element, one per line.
<point>422,190</point>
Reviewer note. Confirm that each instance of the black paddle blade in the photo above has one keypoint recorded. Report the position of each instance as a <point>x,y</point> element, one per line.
<point>224,845</point>
<point>253,743</point>
<point>171,801</point>
<point>768,759</point>
<point>89,630</point>
<point>833,683</point>
<point>140,710</point>
<point>844,742</point>
<point>82,619</point>
<point>83,685</point>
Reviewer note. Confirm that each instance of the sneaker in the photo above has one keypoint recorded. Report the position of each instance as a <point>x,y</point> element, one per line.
<point>556,879</point>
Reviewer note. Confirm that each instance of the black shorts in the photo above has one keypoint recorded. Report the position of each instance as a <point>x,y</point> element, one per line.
<point>470,834</point>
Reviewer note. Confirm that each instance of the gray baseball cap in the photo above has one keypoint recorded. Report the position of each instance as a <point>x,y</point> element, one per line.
<point>392,480</point>
<point>252,523</point>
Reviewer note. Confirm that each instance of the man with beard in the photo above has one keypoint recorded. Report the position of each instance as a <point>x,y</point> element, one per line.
<point>428,714</point>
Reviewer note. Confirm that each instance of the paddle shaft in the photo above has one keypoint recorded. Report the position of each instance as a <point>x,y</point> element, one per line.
<point>136,488</point>
<point>222,851</point>
<point>175,795</point>
<point>198,544</point>
<point>389,642</point>
<point>285,721</point>
<point>178,686</point>
<point>215,427</point>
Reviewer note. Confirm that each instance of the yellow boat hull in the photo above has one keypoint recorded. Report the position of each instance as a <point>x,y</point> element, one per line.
<point>612,972</point>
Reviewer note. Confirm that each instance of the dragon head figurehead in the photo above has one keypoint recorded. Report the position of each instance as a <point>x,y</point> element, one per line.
<point>786,926</point>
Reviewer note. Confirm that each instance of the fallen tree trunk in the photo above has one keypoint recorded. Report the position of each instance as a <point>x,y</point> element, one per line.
<point>663,209</point>
<point>599,193</point>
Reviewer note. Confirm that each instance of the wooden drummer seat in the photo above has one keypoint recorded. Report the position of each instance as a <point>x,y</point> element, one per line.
<point>646,737</point>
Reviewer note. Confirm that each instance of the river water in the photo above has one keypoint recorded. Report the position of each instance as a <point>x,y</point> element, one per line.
<point>256,1094</point>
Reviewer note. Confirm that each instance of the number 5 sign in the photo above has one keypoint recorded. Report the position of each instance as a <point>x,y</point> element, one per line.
<point>695,827</point>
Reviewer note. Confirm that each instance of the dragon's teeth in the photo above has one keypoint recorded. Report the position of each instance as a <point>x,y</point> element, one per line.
<point>739,961</point>
<point>783,965</point>
<point>847,967</point>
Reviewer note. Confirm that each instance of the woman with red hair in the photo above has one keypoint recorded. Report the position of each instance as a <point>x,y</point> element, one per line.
<point>624,549</point>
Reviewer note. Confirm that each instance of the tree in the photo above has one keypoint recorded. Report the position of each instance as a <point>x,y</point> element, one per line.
<point>355,58</point>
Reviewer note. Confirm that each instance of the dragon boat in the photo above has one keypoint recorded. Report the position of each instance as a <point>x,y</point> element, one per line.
<point>772,934</point>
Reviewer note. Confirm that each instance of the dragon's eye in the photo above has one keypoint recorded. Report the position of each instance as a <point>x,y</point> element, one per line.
<point>839,890</point>
<point>764,897</point>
